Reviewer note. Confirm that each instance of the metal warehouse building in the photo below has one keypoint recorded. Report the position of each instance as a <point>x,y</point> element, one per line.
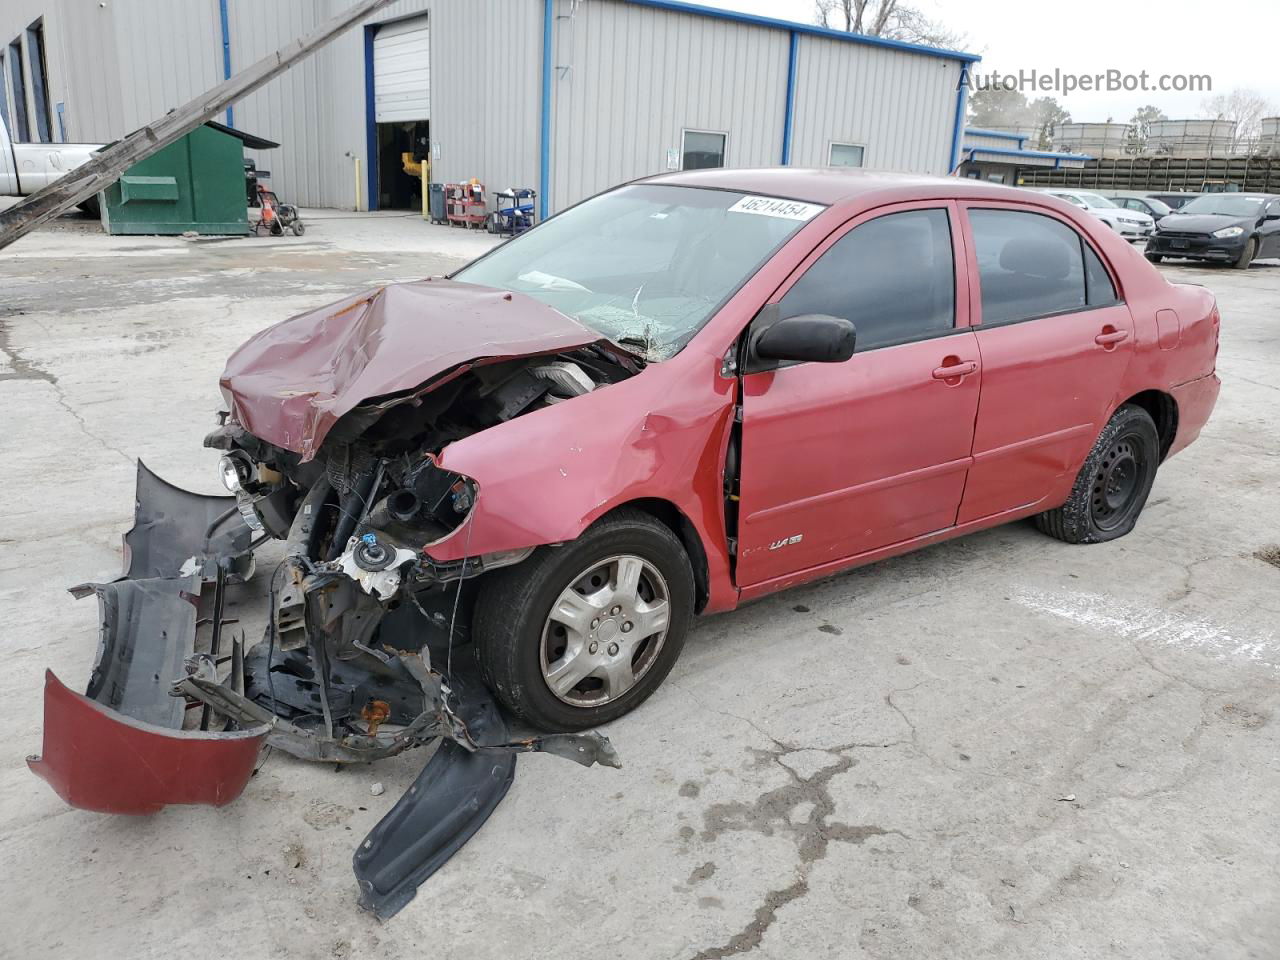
<point>566,96</point>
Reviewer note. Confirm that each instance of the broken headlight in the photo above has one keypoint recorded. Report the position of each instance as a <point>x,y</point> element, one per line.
<point>235,470</point>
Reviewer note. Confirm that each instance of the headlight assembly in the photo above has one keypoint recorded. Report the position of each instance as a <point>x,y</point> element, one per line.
<point>1226,232</point>
<point>235,471</point>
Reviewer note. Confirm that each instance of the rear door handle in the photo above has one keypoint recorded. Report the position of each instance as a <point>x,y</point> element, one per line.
<point>1110,337</point>
<point>955,370</point>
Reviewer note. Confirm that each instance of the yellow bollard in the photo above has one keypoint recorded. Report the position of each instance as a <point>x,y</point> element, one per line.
<point>426,198</point>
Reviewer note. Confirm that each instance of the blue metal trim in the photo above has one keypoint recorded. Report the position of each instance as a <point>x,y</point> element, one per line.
<point>225,20</point>
<point>60,108</point>
<point>697,10</point>
<point>789,117</point>
<point>370,122</point>
<point>957,128</point>
<point>995,133</point>
<point>1046,154</point>
<point>544,134</point>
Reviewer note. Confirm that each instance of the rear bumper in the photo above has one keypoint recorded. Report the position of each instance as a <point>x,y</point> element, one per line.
<point>1195,400</point>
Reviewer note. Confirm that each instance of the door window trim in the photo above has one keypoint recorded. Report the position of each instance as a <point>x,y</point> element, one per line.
<point>975,306</point>
<point>961,311</point>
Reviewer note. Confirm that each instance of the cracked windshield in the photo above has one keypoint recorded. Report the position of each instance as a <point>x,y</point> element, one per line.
<point>646,266</point>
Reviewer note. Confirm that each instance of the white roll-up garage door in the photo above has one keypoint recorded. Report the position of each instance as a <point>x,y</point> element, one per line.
<point>402,72</point>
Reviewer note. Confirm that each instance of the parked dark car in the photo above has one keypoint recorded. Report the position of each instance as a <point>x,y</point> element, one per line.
<point>1175,200</point>
<point>1149,205</point>
<point>1233,228</point>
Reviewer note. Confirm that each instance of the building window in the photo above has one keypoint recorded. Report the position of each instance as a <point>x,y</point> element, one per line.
<point>40,81</point>
<point>702,150</point>
<point>21,132</point>
<point>4,93</point>
<point>845,155</point>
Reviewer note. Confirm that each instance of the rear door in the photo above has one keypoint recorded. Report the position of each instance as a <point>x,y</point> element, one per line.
<point>1055,340</point>
<point>839,459</point>
<point>1269,232</point>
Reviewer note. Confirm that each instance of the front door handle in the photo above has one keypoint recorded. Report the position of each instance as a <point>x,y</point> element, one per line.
<point>953,368</point>
<point>1110,336</point>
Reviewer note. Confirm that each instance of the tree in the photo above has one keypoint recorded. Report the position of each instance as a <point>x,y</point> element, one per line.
<point>997,107</point>
<point>1140,128</point>
<point>1047,115</point>
<point>1245,107</point>
<point>890,19</point>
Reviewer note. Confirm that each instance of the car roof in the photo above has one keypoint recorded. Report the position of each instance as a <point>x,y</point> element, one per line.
<point>833,185</point>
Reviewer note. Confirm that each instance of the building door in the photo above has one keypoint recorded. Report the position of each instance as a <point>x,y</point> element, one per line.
<point>402,110</point>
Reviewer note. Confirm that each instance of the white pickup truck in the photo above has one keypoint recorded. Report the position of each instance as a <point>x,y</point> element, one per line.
<point>26,167</point>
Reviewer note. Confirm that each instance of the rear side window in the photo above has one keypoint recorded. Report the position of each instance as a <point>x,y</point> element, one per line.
<point>892,277</point>
<point>1029,266</point>
<point>1099,289</point>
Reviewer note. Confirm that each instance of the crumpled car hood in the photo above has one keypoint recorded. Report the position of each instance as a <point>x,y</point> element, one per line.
<point>290,383</point>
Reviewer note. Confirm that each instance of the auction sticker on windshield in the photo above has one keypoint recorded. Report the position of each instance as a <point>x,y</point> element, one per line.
<point>773,207</point>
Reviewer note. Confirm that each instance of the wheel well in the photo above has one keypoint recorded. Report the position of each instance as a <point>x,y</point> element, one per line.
<point>1164,411</point>
<point>668,514</point>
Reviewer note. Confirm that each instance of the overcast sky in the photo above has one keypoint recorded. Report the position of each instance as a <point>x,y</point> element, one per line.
<point>1236,43</point>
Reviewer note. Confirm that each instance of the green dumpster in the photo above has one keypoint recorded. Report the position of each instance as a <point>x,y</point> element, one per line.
<point>193,185</point>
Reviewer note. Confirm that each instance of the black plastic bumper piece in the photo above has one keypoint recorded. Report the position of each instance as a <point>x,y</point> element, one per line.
<point>448,802</point>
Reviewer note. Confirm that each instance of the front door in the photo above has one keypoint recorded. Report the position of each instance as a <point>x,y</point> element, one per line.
<point>1055,340</point>
<point>840,459</point>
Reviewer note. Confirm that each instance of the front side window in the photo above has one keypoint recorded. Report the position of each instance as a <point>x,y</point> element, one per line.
<point>645,265</point>
<point>892,277</point>
<point>845,155</point>
<point>1029,265</point>
<point>702,150</point>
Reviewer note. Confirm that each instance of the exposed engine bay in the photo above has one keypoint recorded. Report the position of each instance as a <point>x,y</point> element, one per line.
<point>364,653</point>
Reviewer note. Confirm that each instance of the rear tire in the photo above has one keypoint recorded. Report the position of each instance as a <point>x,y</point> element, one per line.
<point>1247,254</point>
<point>1154,257</point>
<point>521,636</point>
<point>1112,486</point>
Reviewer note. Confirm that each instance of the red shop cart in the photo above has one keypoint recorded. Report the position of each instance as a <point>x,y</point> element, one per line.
<point>465,204</point>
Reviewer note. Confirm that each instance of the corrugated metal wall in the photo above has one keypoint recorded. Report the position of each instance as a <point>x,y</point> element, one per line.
<point>629,80</point>
<point>899,105</point>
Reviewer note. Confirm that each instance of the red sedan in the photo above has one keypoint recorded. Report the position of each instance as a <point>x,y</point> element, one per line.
<point>757,378</point>
<point>676,396</point>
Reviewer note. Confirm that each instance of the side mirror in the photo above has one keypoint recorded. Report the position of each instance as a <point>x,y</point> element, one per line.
<point>812,337</point>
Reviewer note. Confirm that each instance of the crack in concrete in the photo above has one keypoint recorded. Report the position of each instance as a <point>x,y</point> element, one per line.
<point>775,811</point>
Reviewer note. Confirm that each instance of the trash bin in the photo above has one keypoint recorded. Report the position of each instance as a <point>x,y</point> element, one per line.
<point>436,202</point>
<point>196,184</point>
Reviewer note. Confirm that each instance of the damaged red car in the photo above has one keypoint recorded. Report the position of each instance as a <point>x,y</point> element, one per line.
<point>504,495</point>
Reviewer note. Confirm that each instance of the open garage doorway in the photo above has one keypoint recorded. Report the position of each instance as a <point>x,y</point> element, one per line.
<point>402,111</point>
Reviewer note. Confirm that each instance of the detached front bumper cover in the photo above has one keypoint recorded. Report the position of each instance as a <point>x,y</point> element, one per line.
<point>125,745</point>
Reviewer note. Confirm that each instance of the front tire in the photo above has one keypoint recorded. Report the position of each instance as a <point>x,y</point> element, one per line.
<point>1112,486</point>
<point>578,635</point>
<point>1154,257</point>
<point>1247,254</point>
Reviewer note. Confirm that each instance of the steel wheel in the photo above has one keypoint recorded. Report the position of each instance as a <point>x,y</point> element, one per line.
<point>1116,483</point>
<point>605,631</point>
